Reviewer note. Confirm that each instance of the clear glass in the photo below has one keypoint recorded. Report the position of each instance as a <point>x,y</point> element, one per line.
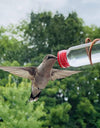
<point>77,55</point>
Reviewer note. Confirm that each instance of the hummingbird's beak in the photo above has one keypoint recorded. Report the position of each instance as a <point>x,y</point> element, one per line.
<point>56,58</point>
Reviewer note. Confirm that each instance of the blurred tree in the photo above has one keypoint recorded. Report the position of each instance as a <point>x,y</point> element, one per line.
<point>48,34</point>
<point>91,31</point>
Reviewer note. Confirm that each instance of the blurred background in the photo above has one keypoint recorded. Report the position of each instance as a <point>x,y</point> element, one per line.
<point>30,29</point>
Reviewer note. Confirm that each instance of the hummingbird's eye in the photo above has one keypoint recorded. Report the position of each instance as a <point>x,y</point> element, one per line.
<point>49,57</point>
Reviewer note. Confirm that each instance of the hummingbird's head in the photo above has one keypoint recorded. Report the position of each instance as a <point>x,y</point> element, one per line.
<point>47,63</point>
<point>49,60</point>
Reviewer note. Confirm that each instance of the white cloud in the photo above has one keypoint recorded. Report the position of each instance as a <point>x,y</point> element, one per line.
<point>48,5</point>
<point>90,1</point>
<point>11,11</point>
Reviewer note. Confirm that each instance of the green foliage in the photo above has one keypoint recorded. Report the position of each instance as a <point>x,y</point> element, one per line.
<point>15,112</point>
<point>59,116</point>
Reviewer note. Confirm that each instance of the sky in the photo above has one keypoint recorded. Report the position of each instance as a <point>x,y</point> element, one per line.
<point>13,11</point>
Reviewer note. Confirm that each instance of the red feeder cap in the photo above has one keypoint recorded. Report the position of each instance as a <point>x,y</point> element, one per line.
<point>62,59</point>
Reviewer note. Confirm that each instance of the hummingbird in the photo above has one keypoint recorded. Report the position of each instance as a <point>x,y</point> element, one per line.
<point>39,75</point>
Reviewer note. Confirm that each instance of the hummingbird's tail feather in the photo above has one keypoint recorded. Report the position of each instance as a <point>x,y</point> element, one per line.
<point>34,94</point>
<point>34,98</point>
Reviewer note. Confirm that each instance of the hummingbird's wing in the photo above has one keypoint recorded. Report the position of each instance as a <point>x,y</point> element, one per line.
<point>59,74</point>
<point>25,72</point>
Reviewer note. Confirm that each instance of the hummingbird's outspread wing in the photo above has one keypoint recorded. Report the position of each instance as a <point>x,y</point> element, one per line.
<point>59,74</point>
<point>25,72</point>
